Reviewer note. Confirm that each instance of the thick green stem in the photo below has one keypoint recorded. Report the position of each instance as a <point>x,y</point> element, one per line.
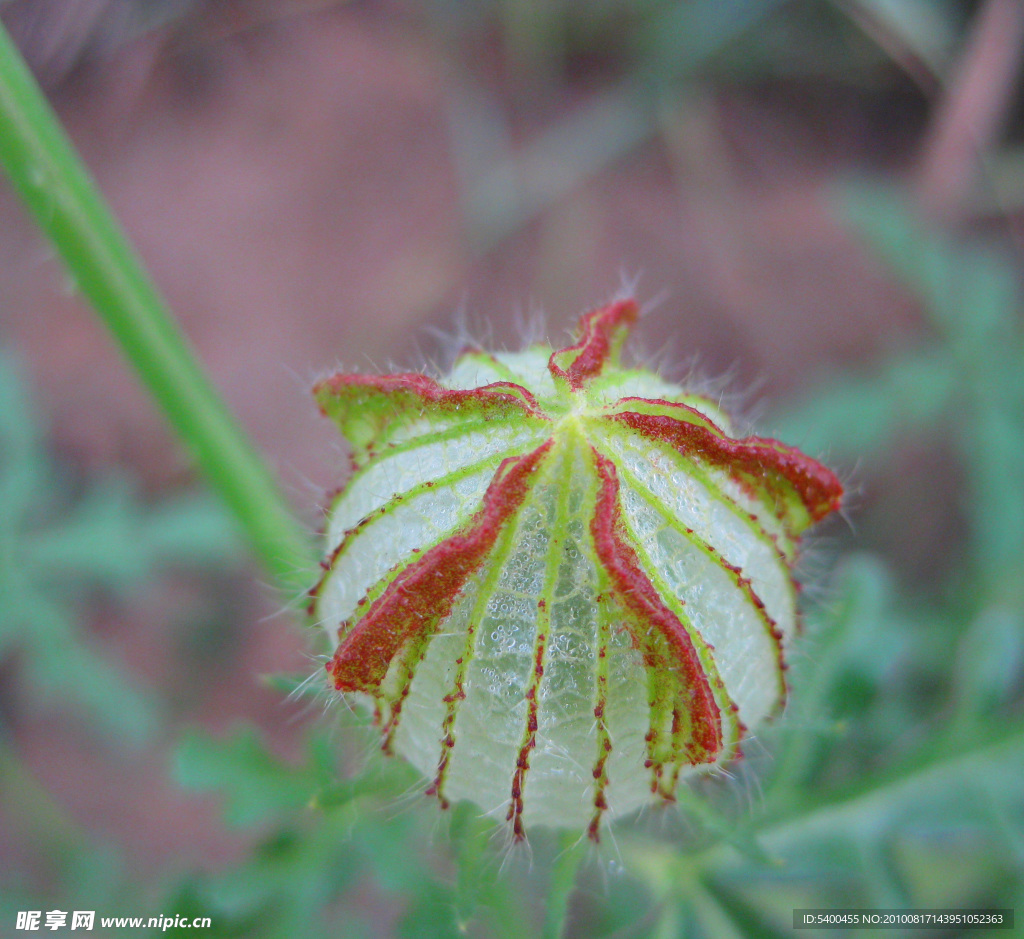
<point>60,193</point>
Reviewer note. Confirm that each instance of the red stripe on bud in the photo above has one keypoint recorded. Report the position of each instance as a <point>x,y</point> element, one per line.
<point>636,592</point>
<point>760,464</point>
<point>422,595</point>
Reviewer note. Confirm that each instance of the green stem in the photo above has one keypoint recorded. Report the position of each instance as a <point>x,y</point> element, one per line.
<point>60,193</point>
<point>563,880</point>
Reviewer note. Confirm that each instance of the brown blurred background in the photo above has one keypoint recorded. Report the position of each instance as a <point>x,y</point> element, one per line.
<point>317,184</point>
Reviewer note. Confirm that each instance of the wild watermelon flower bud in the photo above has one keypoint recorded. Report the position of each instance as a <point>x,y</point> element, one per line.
<point>561,583</point>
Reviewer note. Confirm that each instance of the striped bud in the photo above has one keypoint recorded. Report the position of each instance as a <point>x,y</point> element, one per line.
<point>561,584</point>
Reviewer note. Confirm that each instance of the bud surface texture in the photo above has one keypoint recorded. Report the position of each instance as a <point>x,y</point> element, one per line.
<point>561,584</point>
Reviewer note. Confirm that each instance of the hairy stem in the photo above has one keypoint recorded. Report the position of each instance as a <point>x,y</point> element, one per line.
<point>63,198</point>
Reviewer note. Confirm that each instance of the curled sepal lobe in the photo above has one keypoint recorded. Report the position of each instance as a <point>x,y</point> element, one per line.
<point>602,334</point>
<point>373,410</point>
<point>791,486</point>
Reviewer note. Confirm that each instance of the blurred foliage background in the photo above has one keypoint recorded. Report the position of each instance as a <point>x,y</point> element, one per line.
<point>822,198</point>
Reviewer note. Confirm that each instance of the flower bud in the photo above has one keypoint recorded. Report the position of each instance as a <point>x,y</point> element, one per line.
<point>560,583</point>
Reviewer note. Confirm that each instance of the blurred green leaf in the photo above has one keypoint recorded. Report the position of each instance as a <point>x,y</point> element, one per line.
<point>744,917</point>
<point>60,543</point>
<point>993,449</point>
<point>257,785</point>
<point>989,666</point>
<point>964,389</point>
<point>862,417</point>
<point>430,915</point>
<point>109,539</point>
<point>970,291</point>
<point>679,38</point>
